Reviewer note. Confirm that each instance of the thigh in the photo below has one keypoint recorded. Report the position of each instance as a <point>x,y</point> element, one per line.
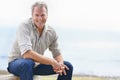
<point>43,69</point>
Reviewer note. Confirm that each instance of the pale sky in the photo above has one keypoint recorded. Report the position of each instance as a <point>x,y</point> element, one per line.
<point>80,14</point>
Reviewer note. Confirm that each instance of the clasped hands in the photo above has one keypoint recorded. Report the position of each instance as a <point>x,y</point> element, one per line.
<point>60,68</point>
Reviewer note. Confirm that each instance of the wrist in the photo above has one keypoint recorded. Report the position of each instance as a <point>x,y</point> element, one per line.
<point>60,62</point>
<point>52,62</point>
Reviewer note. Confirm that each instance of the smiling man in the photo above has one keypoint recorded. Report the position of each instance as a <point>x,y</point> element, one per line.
<point>33,37</point>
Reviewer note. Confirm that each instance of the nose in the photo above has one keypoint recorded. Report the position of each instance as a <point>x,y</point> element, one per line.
<point>40,18</point>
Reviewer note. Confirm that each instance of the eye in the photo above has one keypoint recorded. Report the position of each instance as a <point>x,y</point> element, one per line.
<point>36,15</point>
<point>42,15</point>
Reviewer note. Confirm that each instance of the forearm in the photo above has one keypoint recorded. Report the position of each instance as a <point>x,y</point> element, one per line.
<point>38,58</point>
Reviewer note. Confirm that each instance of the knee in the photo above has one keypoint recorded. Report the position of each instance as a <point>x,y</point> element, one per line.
<point>69,65</point>
<point>26,63</point>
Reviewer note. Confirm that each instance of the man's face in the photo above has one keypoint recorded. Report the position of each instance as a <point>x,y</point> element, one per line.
<point>39,16</point>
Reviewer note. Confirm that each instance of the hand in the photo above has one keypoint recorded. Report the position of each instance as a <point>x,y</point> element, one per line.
<point>62,70</point>
<point>56,66</point>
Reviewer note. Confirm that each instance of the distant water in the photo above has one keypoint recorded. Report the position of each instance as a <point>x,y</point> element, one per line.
<point>81,48</point>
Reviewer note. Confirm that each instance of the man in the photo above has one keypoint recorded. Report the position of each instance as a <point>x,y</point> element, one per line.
<point>33,37</point>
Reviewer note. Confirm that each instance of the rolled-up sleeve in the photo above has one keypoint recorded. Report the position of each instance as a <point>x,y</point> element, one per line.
<point>54,46</point>
<point>24,41</point>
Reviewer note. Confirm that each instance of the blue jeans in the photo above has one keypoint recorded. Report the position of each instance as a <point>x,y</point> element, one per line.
<point>24,68</point>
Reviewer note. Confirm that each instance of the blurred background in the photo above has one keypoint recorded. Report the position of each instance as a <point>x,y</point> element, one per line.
<point>88,30</point>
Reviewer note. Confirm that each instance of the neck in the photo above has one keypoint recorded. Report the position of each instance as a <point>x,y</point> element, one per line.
<point>40,30</point>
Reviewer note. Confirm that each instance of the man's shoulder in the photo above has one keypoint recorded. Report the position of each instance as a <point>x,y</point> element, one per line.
<point>50,28</point>
<point>51,31</point>
<point>26,23</point>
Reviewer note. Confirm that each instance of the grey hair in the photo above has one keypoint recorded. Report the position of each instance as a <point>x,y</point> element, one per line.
<point>39,4</point>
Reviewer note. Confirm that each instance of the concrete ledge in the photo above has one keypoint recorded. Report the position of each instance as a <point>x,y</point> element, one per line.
<point>12,77</point>
<point>5,75</point>
<point>8,77</point>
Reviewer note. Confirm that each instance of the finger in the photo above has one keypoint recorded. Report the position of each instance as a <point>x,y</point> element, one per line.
<point>62,68</point>
<point>66,67</point>
<point>60,73</point>
<point>56,68</point>
<point>55,71</point>
<point>64,72</point>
